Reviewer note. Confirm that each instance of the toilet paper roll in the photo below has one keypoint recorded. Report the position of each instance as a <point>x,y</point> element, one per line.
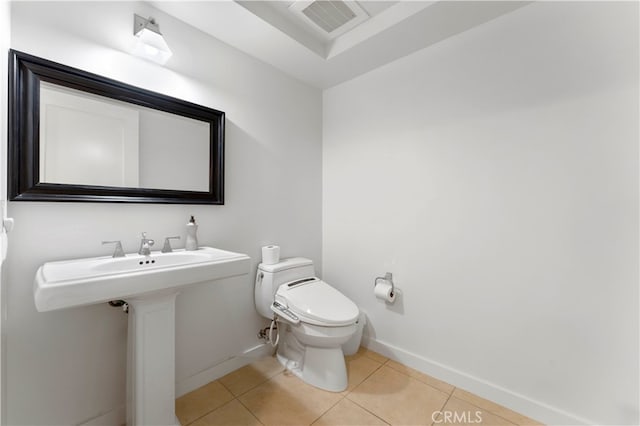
<point>384,291</point>
<point>270,255</point>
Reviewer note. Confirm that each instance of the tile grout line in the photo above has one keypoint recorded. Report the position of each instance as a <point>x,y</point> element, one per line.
<point>237,397</point>
<point>210,411</point>
<point>482,409</point>
<point>251,388</point>
<point>367,410</point>
<point>327,410</point>
<point>223,385</point>
<point>248,390</point>
<point>343,397</point>
<point>361,382</point>
<point>249,410</point>
<point>433,422</point>
<point>449,394</point>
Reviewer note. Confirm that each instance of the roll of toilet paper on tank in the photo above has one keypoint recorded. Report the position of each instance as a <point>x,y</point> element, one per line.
<point>384,291</point>
<point>270,255</point>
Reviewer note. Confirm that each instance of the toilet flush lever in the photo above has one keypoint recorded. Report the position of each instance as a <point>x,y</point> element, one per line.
<point>283,311</point>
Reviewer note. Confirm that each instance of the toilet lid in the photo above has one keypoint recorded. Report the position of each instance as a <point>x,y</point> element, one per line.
<point>316,302</point>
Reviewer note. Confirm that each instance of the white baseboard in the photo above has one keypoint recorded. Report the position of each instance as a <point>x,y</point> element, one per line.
<point>225,367</point>
<point>512,400</point>
<point>115,417</point>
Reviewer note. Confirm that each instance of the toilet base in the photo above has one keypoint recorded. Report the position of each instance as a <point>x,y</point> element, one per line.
<point>323,368</point>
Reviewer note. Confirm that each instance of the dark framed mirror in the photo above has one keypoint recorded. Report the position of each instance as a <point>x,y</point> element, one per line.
<point>78,136</point>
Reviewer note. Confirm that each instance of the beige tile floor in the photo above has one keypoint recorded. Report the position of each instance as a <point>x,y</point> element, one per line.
<point>380,392</point>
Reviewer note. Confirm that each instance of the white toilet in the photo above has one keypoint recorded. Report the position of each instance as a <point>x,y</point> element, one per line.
<point>315,320</point>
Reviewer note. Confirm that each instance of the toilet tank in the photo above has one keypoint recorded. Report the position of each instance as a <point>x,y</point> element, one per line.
<point>270,277</point>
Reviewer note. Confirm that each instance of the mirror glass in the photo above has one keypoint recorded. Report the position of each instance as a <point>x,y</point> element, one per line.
<point>88,139</point>
<point>78,136</point>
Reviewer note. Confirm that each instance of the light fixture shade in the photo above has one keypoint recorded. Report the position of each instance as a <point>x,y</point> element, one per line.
<point>149,43</point>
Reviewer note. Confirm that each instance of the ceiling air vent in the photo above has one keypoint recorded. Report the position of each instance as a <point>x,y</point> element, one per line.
<point>329,18</point>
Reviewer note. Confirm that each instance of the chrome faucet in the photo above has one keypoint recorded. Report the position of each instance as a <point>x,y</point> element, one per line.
<point>145,245</point>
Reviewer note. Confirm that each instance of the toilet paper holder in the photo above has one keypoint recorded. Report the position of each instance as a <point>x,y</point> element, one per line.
<point>387,277</point>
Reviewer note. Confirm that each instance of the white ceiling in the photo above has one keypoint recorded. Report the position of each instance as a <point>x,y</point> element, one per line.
<point>268,31</point>
<point>279,15</point>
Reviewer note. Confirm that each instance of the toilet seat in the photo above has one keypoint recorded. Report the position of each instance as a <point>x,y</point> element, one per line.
<point>316,302</point>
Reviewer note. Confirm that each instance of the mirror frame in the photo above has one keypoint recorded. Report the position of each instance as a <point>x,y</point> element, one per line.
<point>26,72</point>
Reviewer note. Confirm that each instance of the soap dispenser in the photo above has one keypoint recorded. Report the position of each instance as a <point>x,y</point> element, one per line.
<point>192,239</point>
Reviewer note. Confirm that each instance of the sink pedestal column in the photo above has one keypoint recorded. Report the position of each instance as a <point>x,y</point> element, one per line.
<point>151,361</point>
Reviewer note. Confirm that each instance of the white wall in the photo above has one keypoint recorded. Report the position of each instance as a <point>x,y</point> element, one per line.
<point>5,37</point>
<point>67,367</point>
<point>496,175</point>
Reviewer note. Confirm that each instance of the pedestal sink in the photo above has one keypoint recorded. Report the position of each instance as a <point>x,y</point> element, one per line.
<point>149,284</point>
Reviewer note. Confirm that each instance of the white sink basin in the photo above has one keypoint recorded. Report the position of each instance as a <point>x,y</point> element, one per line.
<point>69,283</point>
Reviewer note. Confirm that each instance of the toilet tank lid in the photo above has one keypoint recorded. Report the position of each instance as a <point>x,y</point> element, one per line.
<point>289,263</point>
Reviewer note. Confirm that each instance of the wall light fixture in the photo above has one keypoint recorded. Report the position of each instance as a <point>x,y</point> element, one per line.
<point>149,43</point>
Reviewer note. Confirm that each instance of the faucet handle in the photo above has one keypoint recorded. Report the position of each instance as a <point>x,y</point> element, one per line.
<point>118,252</point>
<point>147,241</point>
<point>167,244</point>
